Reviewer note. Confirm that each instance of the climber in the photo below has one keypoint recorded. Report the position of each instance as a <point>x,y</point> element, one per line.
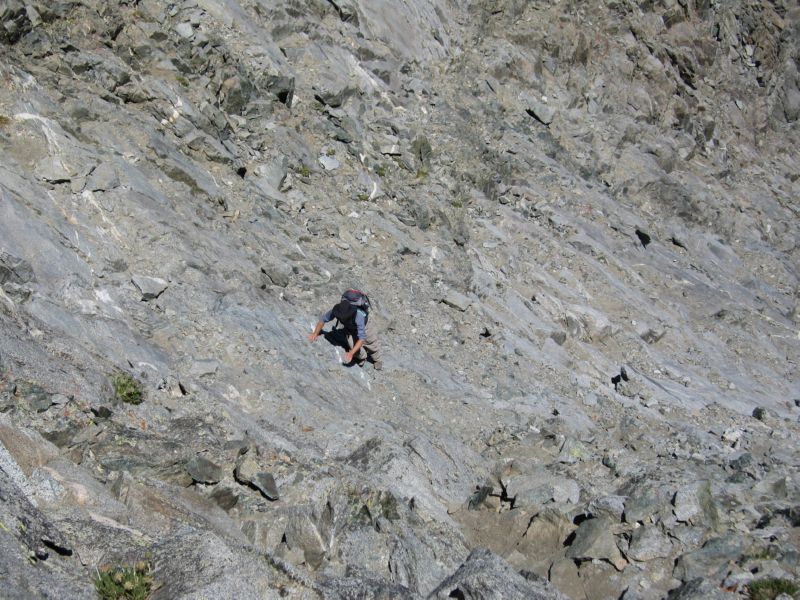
<point>353,313</point>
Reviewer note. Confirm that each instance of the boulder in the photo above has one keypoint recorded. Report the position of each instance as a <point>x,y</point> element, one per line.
<point>248,472</point>
<point>711,561</point>
<point>15,270</point>
<point>594,540</point>
<point>456,300</point>
<point>486,576</point>
<point>149,287</point>
<point>539,109</point>
<point>649,543</point>
<point>203,470</point>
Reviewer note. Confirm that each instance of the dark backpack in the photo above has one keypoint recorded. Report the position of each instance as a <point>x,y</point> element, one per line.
<point>357,299</point>
<point>345,311</point>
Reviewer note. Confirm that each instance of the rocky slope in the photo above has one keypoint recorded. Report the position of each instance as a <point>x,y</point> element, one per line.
<point>578,225</point>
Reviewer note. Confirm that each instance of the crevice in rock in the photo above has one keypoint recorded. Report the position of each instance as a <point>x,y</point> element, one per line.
<point>60,550</point>
<point>643,238</point>
<point>676,242</point>
<point>616,379</point>
<point>580,518</point>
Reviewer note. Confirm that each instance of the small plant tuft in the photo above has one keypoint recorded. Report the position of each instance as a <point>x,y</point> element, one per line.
<point>422,173</point>
<point>127,389</point>
<point>303,171</point>
<point>330,152</point>
<point>124,582</point>
<point>363,197</point>
<point>4,121</point>
<point>380,171</point>
<point>771,588</point>
<point>182,80</point>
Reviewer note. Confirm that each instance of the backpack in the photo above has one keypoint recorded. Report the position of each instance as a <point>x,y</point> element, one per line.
<point>353,300</point>
<point>357,299</point>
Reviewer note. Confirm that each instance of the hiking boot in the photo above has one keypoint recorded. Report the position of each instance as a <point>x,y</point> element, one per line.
<point>378,364</point>
<point>361,362</point>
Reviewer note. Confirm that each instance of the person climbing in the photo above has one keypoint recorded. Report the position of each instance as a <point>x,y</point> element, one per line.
<point>353,313</point>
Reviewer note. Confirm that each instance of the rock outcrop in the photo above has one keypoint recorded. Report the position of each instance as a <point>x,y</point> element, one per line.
<point>577,224</point>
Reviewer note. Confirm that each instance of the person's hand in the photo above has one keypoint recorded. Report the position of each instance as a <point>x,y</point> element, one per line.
<point>312,336</point>
<point>348,357</point>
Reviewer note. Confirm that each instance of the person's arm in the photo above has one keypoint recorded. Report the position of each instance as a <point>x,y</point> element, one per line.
<point>328,316</point>
<point>317,330</point>
<point>348,357</point>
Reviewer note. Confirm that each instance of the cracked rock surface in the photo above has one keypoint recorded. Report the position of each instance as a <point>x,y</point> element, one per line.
<point>577,223</point>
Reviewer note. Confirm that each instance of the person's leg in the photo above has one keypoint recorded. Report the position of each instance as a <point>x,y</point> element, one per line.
<point>352,336</point>
<point>371,346</point>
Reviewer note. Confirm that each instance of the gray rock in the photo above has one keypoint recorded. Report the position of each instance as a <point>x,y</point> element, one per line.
<point>391,150</point>
<point>644,502</point>
<point>142,148</point>
<point>572,451</point>
<point>275,172</point>
<point>608,506</point>
<point>539,109</point>
<point>540,489</point>
<point>185,30</point>
<point>364,587</point>
<point>457,300</point>
<point>35,558</point>
<point>104,177</point>
<point>485,576</point>
<point>333,93</point>
<point>761,413</point>
<point>149,287</point>
<point>229,571</point>
<point>594,540</point>
<point>277,273</point>
<point>54,169</point>
<point>308,534</point>
<point>329,163</point>
<point>15,21</point>
<point>695,504</point>
<point>563,574</point>
<point>698,589</point>
<point>280,86</point>
<point>226,497</point>
<point>203,367</point>
<point>248,472</point>
<point>203,470</point>
<point>544,537</point>
<point>711,561</point>
<point>649,543</point>
<point>15,270</point>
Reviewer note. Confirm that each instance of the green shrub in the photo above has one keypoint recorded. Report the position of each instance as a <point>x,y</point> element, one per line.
<point>769,589</point>
<point>182,80</point>
<point>127,389</point>
<point>124,582</point>
<point>303,171</point>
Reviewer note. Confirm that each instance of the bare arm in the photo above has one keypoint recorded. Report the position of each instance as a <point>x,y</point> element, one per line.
<point>348,358</point>
<point>317,330</point>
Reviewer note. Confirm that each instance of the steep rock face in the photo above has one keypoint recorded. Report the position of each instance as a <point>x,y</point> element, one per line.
<point>577,223</point>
